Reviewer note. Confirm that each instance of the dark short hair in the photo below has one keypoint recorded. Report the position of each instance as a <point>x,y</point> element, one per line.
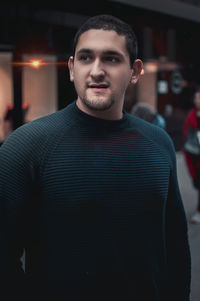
<point>144,111</point>
<point>108,22</point>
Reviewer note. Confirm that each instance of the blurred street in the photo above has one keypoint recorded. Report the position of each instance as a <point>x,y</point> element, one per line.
<point>189,196</point>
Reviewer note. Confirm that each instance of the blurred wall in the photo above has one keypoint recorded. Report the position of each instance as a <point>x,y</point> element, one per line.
<point>40,86</point>
<point>6,89</point>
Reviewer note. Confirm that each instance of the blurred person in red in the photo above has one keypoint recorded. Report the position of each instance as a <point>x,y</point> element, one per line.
<point>192,121</point>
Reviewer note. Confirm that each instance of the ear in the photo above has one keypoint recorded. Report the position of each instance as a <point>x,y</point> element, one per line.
<point>136,71</point>
<point>71,68</point>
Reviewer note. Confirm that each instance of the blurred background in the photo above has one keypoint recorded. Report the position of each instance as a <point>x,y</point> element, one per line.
<point>35,43</point>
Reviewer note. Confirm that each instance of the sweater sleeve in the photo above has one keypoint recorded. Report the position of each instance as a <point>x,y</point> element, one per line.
<point>16,186</point>
<point>177,246</point>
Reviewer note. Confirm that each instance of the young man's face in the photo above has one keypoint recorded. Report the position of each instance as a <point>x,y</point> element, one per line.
<point>101,73</point>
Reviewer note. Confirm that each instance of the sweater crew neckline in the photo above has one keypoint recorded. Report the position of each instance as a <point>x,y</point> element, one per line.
<point>91,120</point>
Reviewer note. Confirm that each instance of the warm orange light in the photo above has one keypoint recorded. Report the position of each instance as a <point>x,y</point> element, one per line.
<point>142,71</point>
<point>38,63</point>
<point>35,63</point>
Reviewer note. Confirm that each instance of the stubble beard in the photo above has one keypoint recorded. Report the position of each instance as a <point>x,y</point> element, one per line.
<point>98,104</point>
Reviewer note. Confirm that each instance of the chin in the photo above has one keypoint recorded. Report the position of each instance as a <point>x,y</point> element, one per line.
<point>98,105</point>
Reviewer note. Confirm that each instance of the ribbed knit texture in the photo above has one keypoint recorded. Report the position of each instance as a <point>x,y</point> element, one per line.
<point>96,205</point>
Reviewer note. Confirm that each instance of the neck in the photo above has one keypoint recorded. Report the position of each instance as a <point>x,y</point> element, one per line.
<point>109,114</point>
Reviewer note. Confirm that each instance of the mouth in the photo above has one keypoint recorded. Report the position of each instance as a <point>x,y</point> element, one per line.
<point>98,86</point>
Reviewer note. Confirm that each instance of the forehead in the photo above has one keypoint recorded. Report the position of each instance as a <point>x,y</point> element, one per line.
<point>102,40</point>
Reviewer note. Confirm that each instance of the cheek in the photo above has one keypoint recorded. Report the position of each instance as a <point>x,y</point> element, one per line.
<point>124,77</point>
<point>77,78</point>
<point>79,84</point>
<point>80,76</point>
<point>123,82</point>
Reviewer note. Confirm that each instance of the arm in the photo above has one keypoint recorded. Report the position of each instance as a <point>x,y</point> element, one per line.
<point>15,189</point>
<point>177,246</point>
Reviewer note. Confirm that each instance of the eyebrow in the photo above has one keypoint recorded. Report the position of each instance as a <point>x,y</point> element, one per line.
<point>106,52</point>
<point>84,50</point>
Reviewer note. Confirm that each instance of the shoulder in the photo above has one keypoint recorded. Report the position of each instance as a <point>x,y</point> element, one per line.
<point>157,135</point>
<point>32,138</point>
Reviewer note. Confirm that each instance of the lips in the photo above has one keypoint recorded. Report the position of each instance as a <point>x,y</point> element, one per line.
<point>98,86</point>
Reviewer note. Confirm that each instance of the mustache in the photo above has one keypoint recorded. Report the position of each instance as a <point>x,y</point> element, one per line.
<point>98,82</point>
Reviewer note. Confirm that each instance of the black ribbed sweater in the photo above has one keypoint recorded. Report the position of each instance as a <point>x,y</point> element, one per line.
<point>97,208</point>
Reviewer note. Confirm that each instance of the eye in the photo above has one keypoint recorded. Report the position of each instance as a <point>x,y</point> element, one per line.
<point>112,59</point>
<point>84,58</point>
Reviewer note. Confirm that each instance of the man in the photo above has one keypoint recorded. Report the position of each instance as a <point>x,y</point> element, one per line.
<point>90,192</point>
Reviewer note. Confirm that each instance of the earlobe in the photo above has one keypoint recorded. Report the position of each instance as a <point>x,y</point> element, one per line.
<point>137,69</point>
<point>71,68</point>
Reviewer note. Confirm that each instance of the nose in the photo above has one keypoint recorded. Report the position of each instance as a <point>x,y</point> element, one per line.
<point>97,71</point>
